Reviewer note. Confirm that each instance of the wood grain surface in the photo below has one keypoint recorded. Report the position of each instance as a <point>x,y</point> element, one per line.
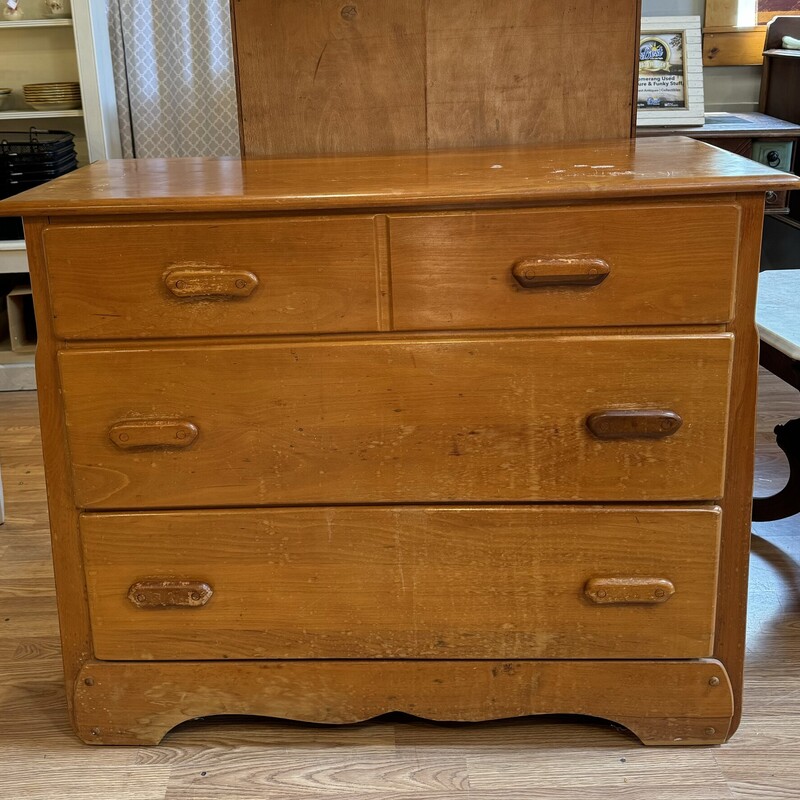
<point>448,271</point>
<point>314,275</point>
<point>369,421</point>
<point>403,582</point>
<point>646,168</point>
<point>70,581</point>
<point>455,270</point>
<point>735,549</point>
<point>387,75</point>
<point>733,48</point>
<point>686,702</point>
<point>533,758</point>
<point>350,82</point>
<point>496,71</point>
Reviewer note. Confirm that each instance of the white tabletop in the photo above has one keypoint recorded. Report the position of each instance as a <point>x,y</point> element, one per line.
<point>778,310</point>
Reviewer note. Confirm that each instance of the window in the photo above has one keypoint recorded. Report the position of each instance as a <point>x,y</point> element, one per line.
<point>734,29</point>
<point>767,9</point>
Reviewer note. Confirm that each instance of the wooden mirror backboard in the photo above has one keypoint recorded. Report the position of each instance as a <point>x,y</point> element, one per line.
<point>318,76</point>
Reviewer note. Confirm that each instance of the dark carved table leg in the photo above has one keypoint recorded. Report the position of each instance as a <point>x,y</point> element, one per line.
<point>787,501</point>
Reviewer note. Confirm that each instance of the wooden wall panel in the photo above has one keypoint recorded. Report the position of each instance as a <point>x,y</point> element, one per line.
<point>389,75</point>
<point>504,72</point>
<point>328,77</point>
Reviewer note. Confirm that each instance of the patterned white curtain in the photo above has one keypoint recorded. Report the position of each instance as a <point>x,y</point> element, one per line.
<point>174,76</point>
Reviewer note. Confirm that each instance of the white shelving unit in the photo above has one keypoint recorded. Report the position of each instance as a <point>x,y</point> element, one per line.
<point>37,23</point>
<point>40,114</point>
<point>39,49</point>
<point>13,260</point>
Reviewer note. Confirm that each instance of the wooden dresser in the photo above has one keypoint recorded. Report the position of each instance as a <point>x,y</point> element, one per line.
<point>464,434</point>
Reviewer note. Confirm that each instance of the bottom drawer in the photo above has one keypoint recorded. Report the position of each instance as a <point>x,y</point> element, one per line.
<point>403,582</point>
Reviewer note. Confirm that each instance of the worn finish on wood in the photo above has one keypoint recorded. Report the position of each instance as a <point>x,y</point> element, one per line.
<point>633,423</point>
<point>461,178</point>
<point>388,75</point>
<point>207,281</point>
<point>341,79</point>
<point>458,270</point>
<point>148,433</point>
<point>432,420</point>
<point>496,71</point>
<point>403,582</point>
<point>166,593</point>
<point>375,417</point>
<point>670,702</point>
<point>611,591</point>
<point>514,759</point>
<point>73,612</point>
<point>112,281</point>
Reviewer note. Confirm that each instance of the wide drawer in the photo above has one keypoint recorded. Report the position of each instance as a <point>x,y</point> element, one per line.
<point>380,421</point>
<point>213,277</point>
<point>403,582</point>
<point>598,266</point>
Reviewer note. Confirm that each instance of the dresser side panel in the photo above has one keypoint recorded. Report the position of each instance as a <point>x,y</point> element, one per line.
<point>73,611</point>
<point>738,502</point>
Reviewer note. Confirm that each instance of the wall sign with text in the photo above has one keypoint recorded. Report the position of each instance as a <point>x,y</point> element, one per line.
<point>670,72</point>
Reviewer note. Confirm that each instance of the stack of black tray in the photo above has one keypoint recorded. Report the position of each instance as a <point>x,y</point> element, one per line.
<point>30,159</point>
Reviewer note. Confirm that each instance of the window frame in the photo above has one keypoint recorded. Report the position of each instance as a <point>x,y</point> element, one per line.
<point>725,43</point>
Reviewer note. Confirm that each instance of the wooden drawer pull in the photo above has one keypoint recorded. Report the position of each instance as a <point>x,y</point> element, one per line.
<point>634,424</point>
<point>210,282</point>
<point>604,591</point>
<point>532,273</point>
<point>145,433</point>
<point>169,593</point>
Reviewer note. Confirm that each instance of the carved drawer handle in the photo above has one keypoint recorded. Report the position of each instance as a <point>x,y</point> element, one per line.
<point>169,593</point>
<point>146,433</point>
<point>188,281</point>
<point>532,273</point>
<point>634,424</point>
<point>604,591</point>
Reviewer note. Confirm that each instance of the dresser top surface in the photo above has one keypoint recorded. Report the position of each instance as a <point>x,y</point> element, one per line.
<point>446,179</point>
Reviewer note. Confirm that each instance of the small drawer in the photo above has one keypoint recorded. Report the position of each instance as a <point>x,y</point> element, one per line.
<point>777,200</point>
<point>403,582</point>
<point>510,418</point>
<point>215,277</point>
<point>569,267</point>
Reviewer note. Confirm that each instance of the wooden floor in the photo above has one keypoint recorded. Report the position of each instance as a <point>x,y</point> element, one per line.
<point>391,758</point>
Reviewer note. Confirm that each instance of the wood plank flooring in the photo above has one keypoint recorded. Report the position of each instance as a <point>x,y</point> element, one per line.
<point>394,758</point>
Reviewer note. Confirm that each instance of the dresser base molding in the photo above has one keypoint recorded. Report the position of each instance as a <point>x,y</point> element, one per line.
<point>661,702</point>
